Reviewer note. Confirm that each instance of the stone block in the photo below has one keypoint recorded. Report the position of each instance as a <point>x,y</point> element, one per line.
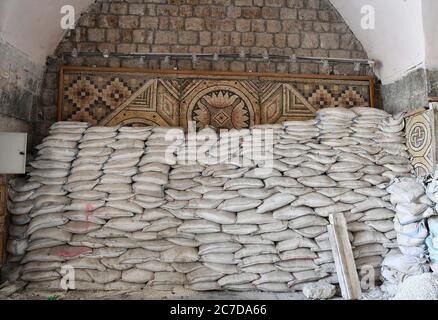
<point>234,12</point>
<point>307,14</point>
<point>251,12</point>
<point>248,39</point>
<point>96,35</point>
<point>243,25</point>
<point>137,9</point>
<point>205,38</point>
<point>113,35</point>
<point>293,40</point>
<point>271,13</point>
<point>188,37</point>
<point>273,26</point>
<point>107,21</point>
<point>165,37</point>
<point>310,40</point>
<point>264,40</point>
<point>150,23</point>
<point>194,24</point>
<point>128,22</point>
<point>118,8</point>
<point>288,14</point>
<point>329,40</point>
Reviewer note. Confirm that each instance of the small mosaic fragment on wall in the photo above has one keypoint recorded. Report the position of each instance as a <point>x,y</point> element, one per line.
<point>421,142</point>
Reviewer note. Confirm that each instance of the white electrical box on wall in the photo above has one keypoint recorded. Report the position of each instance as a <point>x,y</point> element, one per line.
<point>13,147</point>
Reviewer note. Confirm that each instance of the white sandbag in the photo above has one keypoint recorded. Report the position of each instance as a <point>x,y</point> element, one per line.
<point>162,224</point>
<point>369,237</point>
<point>274,202</point>
<point>240,278</point>
<point>78,227</point>
<point>239,204</point>
<point>259,259</point>
<point>243,183</point>
<point>251,217</point>
<point>218,216</point>
<point>199,227</point>
<point>125,205</point>
<point>274,277</point>
<point>126,224</point>
<point>135,275</point>
<point>252,250</point>
<point>179,254</point>
<point>312,200</point>
<point>46,221</point>
<point>239,229</point>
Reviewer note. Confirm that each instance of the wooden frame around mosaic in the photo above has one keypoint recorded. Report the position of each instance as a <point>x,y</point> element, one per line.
<point>111,96</point>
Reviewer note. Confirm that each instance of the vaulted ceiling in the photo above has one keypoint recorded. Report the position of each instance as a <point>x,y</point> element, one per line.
<point>401,40</point>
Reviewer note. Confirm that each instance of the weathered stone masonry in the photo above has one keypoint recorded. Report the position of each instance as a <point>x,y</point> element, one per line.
<point>283,27</point>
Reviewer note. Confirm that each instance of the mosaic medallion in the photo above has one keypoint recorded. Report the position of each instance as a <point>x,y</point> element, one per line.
<point>420,142</point>
<point>221,109</point>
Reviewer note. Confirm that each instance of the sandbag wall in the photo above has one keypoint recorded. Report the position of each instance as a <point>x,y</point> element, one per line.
<point>432,239</point>
<point>413,207</point>
<point>114,205</point>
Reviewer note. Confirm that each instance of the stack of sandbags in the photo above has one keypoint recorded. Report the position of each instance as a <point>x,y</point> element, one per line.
<point>123,212</point>
<point>155,165</point>
<point>374,227</point>
<point>348,183</point>
<point>306,163</point>
<point>19,206</point>
<point>373,230</point>
<point>86,172</point>
<point>334,175</point>
<point>162,145</point>
<point>432,239</point>
<point>412,209</point>
<point>432,243</point>
<point>247,210</point>
<point>85,175</point>
<point>42,202</point>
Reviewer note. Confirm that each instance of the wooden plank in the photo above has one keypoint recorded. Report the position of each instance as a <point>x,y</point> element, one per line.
<point>415,112</point>
<point>372,94</point>
<point>343,256</point>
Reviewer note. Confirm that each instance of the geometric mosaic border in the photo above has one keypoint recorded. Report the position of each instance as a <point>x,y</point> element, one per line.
<point>109,96</point>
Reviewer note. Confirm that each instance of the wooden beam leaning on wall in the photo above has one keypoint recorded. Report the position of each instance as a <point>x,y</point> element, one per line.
<point>343,256</point>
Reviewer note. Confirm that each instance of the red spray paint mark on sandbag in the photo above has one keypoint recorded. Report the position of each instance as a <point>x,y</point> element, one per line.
<point>69,252</point>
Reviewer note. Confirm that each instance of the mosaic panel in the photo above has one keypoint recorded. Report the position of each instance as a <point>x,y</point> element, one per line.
<point>421,141</point>
<point>226,100</point>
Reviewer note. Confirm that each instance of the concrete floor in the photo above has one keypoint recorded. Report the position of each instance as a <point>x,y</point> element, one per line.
<point>154,295</point>
<point>179,293</point>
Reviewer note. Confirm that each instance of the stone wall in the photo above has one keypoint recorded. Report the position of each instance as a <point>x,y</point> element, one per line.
<point>411,92</point>
<point>406,94</point>
<point>432,77</point>
<point>304,27</point>
<point>20,82</point>
<point>284,27</point>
